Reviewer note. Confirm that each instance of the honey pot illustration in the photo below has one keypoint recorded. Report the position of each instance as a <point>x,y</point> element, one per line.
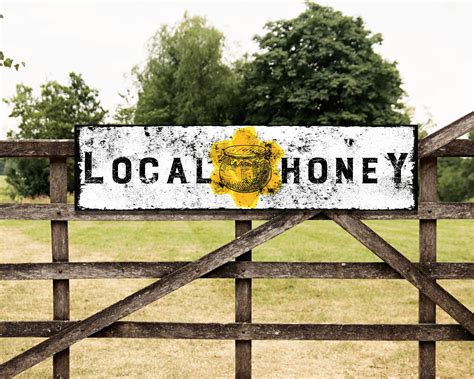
<point>245,168</point>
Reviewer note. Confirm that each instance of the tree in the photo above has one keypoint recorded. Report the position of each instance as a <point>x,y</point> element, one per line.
<point>321,68</point>
<point>52,114</point>
<point>185,80</point>
<point>456,178</point>
<point>8,62</point>
<point>125,112</point>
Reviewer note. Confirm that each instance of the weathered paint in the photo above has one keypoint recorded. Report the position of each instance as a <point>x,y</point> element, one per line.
<point>186,167</point>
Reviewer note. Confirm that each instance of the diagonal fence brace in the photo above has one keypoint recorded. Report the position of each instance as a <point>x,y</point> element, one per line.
<point>153,292</point>
<point>443,136</point>
<point>407,269</point>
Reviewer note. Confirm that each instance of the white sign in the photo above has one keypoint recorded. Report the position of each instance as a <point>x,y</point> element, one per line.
<point>234,167</point>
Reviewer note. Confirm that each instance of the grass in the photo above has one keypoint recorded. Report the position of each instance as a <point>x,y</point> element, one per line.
<point>284,301</point>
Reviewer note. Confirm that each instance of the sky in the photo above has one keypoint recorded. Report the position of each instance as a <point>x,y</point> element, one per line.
<point>431,41</point>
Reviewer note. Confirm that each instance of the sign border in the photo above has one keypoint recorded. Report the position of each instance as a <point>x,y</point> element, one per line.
<point>77,171</point>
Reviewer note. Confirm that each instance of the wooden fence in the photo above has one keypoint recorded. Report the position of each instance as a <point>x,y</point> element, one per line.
<point>62,333</point>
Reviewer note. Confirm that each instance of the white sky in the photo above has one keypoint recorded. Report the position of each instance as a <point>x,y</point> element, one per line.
<point>103,40</point>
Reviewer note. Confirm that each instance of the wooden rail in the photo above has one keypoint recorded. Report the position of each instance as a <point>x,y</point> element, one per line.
<point>231,270</point>
<point>61,332</point>
<point>443,137</point>
<point>65,148</point>
<point>66,212</point>
<point>248,331</point>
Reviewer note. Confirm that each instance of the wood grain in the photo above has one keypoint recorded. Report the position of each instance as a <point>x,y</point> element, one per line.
<point>60,253</point>
<point>456,148</point>
<point>404,267</point>
<point>442,137</point>
<point>232,270</point>
<point>153,292</point>
<point>427,248</point>
<point>66,212</point>
<point>247,331</point>
<point>243,310</point>
<point>37,148</point>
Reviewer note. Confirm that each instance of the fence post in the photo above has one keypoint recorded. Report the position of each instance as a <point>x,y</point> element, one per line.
<point>427,241</point>
<point>60,253</point>
<point>243,310</point>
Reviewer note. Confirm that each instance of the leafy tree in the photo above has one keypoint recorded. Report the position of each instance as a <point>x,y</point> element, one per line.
<point>9,62</point>
<point>456,178</point>
<point>50,115</point>
<point>321,68</point>
<point>185,80</point>
<point>125,113</point>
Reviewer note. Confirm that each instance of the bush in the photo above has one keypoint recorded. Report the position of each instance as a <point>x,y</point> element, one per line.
<point>51,115</point>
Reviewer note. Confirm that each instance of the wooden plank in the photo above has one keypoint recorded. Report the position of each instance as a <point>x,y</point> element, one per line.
<point>456,148</point>
<point>65,148</point>
<point>445,135</point>
<point>65,212</point>
<point>60,253</point>
<point>427,242</point>
<point>435,210</point>
<point>232,270</point>
<point>243,310</point>
<point>153,292</point>
<point>396,260</point>
<point>248,331</point>
<point>37,148</point>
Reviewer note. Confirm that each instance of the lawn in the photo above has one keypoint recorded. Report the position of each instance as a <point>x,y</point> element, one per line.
<point>285,301</point>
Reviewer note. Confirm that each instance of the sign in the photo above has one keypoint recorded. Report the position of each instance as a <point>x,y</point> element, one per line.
<point>233,167</point>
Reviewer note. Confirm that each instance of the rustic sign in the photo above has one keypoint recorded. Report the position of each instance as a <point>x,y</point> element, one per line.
<point>232,167</point>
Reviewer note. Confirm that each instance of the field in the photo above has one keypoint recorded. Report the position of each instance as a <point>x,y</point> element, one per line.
<point>285,301</point>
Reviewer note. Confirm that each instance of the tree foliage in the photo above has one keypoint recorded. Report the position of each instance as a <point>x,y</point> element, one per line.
<point>7,61</point>
<point>456,178</point>
<point>125,112</point>
<point>51,115</point>
<point>185,80</point>
<point>321,68</point>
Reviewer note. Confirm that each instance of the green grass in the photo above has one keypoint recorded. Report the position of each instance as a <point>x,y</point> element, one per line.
<point>311,241</point>
<point>284,301</point>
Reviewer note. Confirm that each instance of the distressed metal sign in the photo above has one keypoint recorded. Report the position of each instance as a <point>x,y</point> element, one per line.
<point>232,167</point>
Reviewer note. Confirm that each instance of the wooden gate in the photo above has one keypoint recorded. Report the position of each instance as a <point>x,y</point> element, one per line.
<point>62,333</point>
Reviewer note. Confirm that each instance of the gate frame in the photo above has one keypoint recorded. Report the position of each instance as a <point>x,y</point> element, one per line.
<point>62,333</point>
